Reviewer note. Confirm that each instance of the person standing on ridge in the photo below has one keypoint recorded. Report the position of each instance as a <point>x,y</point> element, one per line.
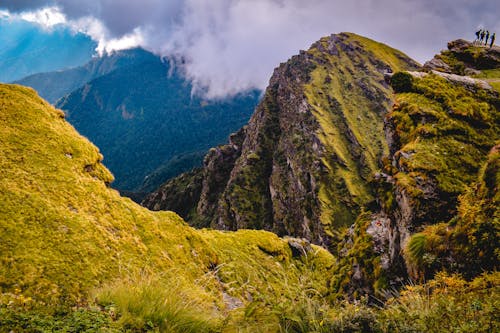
<point>482,37</point>
<point>492,40</point>
<point>478,33</point>
<point>487,36</point>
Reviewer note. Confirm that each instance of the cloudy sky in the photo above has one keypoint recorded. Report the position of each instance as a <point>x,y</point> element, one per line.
<point>232,45</point>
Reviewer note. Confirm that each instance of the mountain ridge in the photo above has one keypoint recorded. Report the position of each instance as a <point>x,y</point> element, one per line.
<point>75,256</point>
<point>54,85</point>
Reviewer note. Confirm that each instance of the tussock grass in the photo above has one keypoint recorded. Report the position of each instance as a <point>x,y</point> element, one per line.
<point>165,305</point>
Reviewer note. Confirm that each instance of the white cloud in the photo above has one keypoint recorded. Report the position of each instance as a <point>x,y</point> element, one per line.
<point>231,45</point>
<point>99,33</point>
<point>45,17</point>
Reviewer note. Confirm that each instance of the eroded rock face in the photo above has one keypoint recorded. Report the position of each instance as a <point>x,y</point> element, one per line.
<point>270,182</point>
<point>218,165</point>
<point>305,160</point>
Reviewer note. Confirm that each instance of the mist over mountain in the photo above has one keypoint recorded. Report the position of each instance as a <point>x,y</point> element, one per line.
<point>27,48</point>
<point>54,85</point>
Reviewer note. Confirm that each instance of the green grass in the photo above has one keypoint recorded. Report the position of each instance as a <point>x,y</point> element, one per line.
<point>351,122</point>
<point>468,243</point>
<point>489,74</point>
<point>447,303</point>
<point>444,132</point>
<point>165,305</point>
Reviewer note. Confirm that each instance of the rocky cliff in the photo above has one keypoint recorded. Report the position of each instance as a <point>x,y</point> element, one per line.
<point>304,163</point>
<point>440,132</point>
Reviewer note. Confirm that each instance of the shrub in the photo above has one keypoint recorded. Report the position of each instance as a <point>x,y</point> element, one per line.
<point>446,304</point>
<point>402,82</point>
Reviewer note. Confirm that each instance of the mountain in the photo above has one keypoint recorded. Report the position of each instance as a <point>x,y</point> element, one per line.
<point>54,85</point>
<point>353,147</point>
<point>302,165</point>
<point>77,257</point>
<point>144,118</point>
<point>27,48</point>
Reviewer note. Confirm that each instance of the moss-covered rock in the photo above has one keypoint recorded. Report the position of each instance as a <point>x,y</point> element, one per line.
<point>468,243</point>
<point>465,58</point>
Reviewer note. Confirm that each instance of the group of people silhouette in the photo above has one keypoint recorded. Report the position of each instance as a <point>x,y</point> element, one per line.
<point>483,36</point>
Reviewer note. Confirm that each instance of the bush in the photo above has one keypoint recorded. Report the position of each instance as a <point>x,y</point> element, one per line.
<point>13,319</point>
<point>402,82</point>
<point>446,304</point>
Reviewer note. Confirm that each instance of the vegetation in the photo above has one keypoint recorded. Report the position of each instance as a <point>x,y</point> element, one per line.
<point>67,239</point>
<point>402,82</point>
<point>358,272</point>
<point>444,133</point>
<point>349,98</point>
<point>468,243</point>
<point>448,303</point>
<point>77,257</point>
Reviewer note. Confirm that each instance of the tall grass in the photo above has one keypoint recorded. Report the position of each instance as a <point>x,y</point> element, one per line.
<point>446,304</point>
<point>151,304</point>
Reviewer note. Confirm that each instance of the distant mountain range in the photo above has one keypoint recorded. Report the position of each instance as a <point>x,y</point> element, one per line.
<point>54,85</point>
<point>26,48</point>
<point>141,113</point>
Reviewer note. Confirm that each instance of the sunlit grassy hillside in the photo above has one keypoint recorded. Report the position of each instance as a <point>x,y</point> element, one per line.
<point>67,239</point>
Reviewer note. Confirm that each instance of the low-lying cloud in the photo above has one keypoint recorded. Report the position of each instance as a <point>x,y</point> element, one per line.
<point>231,45</point>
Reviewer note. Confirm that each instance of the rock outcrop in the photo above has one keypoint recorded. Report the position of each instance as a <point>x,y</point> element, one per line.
<point>464,58</point>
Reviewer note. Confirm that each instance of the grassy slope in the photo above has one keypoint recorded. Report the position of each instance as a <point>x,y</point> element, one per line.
<point>65,234</point>
<point>345,79</point>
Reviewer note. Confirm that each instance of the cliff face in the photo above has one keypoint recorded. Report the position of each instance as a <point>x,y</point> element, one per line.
<point>440,133</point>
<point>311,147</point>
